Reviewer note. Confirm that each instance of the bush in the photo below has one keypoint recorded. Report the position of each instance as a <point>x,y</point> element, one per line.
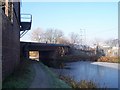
<point>109,59</point>
<point>81,84</point>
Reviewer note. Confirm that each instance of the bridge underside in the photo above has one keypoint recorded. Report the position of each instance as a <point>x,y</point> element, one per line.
<point>48,53</point>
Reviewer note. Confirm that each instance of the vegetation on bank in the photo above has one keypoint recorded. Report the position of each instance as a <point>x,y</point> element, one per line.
<point>25,74</point>
<point>22,77</point>
<point>109,59</point>
<point>74,58</point>
<point>81,84</point>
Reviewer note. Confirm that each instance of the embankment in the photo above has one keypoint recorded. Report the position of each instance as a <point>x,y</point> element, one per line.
<point>27,75</point>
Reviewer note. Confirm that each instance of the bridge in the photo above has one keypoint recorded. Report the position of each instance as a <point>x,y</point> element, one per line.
<point>47,52</point>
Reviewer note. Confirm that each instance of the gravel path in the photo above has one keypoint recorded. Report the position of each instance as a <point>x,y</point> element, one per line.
<point>41,79</point>
<point>45,78</point>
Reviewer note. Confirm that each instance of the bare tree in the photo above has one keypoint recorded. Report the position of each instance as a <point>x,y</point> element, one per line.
<point>64,40</point>
<point>113,42</point>
<point>37,35</point>
<point>74,38</point>
<point>57,35</point>
<point>53,35</point>
<point>49,36</point>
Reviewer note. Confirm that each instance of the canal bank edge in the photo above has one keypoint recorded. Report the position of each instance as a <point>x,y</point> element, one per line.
<point>56,82</point>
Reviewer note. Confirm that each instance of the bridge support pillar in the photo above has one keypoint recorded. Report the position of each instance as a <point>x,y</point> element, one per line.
<point>48,57</point>
<point>26,53</point>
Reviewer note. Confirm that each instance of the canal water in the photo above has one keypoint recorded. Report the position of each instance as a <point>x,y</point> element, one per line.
<point>102,73</point>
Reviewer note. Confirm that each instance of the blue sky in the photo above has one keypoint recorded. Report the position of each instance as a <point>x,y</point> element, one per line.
<point>98,19</point>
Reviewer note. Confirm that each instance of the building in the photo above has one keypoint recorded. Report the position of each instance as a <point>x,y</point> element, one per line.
<point>10,27</point>
<point>111,51</point>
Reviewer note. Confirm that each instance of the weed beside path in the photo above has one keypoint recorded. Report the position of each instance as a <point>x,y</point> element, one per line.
<point>81,84</point>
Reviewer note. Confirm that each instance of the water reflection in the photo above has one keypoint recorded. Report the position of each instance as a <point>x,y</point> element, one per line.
<point>103,76</point>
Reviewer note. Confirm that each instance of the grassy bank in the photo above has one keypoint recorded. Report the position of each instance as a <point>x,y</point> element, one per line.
<point>55,82</point>
<point>22,77</point>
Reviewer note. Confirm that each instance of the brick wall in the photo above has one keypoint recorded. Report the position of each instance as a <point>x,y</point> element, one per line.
<point>0,48</point>
<point>10,45</point>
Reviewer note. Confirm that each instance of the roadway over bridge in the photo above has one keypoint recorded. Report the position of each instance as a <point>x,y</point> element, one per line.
<point>46,51</point>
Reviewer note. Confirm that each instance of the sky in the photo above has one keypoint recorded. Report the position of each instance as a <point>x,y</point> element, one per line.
<point>99,20</point>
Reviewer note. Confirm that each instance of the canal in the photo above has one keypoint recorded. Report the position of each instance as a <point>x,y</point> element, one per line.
<point>102,73</point>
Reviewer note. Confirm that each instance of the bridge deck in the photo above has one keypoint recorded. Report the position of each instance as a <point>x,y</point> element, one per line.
<point>42,46</point>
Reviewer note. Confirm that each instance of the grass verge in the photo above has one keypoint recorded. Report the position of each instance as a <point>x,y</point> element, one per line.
<point>55,82</point>
<point>21,78</point>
